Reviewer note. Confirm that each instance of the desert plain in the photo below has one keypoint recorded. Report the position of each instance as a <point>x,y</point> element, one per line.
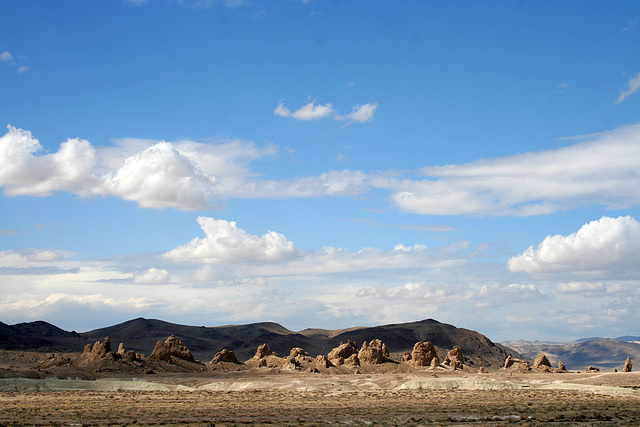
<point>388,394</point>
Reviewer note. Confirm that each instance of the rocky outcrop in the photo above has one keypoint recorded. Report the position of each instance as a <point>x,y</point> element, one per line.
<point>121,350</point>
<point>423,354</point>
<point>406,357</point>
<point>454,359</point>
<point>262,352</point>
<point>171,347</point>
<point>627,365</point>
<point>541,362</point>
<point>435,362</point>
<point>225,355</point>
<point>297,351</point>
<point>343,351</point>
<point>323,361</point>
<point>511,362</point>
<point>98,351</point>
<point>561,366</point>
<point>299,357</point>
<point>352,360</point>
<point>373,353</point>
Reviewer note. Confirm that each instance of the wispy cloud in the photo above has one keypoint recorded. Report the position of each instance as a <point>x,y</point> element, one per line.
<point>633,86</point>
<point>6,56</point>
<point>360,114</point>
<point>604,170</point>
<point>311,111</point>
<point>189,175</point>
<point>630,26</point>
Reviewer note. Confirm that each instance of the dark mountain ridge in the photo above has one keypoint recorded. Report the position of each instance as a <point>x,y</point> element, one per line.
<point>142,334</point>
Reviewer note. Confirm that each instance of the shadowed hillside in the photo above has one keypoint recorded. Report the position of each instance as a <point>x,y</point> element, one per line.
<point>141,335</point>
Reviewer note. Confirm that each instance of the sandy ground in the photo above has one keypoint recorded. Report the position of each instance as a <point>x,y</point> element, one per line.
<point>266,396</point>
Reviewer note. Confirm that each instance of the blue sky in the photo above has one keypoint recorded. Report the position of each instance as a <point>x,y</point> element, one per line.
<point>322,164</point>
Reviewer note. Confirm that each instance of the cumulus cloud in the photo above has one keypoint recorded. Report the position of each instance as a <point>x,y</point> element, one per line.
<point>310,111</point>
<point>6,56</point>
<point>604,170</point>
<point>161,177</point>
<point>24,173</point>
<point>608,245</point>
<point>225,242</point>
<point>633,86</point>
<point>185,175</point>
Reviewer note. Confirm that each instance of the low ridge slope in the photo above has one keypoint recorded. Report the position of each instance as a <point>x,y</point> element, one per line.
<point>141,335</point>
<point>600,352</point>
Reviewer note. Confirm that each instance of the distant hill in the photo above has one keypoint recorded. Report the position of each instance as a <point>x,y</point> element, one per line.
<point>601,352</point>
<point>38,335</point>
<point>141,335</point>
<point>629,338</point>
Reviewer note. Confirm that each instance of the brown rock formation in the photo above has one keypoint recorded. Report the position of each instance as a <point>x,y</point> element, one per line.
<point>435,362</point>
<point>97,351</point>
<point>224,355</point>
<point>121,351</point>
<point>374,353</point>
<point>561,366</point>
<point>423,353</point>
<point>323,361</point>
<point>262,352</point>
<point>541,361</point>
<point>511,362</point>
<point>344,351</point>
<point>406,357</point>
<point>171,347</point>
<point>352,360</point>
<point>627,365</point>
<point>454,359</point>
<point>297,351</point>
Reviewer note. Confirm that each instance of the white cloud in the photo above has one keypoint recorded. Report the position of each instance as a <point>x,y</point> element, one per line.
<point>310,111</point>
<point>224,242</point>
<point>151,276</point>
<point>190,175</point>
<point>598,288</point>
<point>608,245</point>
<point>30,257</point>
<point>161,177</point>
<point>332,183</point>
<point>6,56</point>
<point>423,292</point>
<point>496,294</point>
<point>360,114</point>
<point>604,171</point>
<point>22,69</point>
<point>184,175</point>
<point>633,86</point>
<point>22,173</point>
